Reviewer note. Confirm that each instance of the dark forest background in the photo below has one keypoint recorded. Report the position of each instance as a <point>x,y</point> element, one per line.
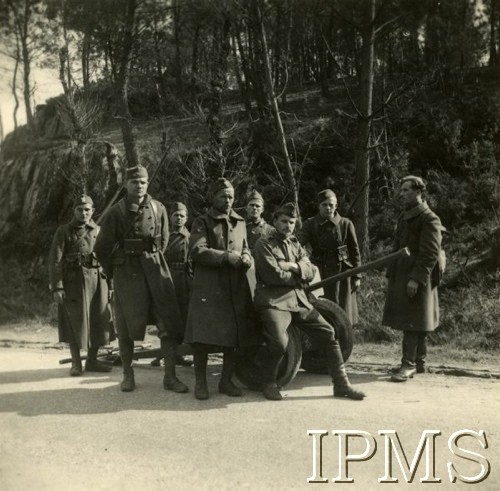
<point>285,96</point>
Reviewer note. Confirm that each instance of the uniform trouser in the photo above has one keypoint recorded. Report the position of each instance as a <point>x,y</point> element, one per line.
<point>414,348</point>
<point>275,329</point>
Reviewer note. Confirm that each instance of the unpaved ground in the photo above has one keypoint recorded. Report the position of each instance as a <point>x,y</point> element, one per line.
<point>59,432</point>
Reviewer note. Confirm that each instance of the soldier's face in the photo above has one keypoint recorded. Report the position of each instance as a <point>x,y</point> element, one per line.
<point>254,209</point>
<point>408,196</point>
<point>327,208</point>
<point>284,225</point>
<point>179,218</point>
<point>137,188</point>
<point>83,213</point>
<point>223,200</point>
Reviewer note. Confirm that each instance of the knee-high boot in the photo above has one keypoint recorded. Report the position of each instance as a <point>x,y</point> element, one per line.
<point>200,357</point>
<point>270,367</point>
<point>169,352</point>
<point>93,364</point>
<point>126,346</point>
<point>76,361</point>
<point>341,384</point>
<point>226,385</point>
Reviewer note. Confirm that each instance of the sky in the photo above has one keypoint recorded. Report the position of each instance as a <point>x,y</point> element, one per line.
<point>46,82</point>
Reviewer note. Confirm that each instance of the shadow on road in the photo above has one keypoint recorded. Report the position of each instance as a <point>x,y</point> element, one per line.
<point>93,394</point>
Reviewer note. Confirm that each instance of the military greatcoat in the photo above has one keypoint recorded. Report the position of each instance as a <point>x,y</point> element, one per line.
<point>84,316</point>
<point>220,308</point>
<point>419,229</point>
<point>256,230</point>
<point>143,288</point>
<point>322,238</point>
<point>178,263</point>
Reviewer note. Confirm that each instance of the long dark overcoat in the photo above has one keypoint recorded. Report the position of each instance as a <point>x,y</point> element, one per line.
<point>419,229</point>
<point>220,309</point>
<point>143,288</point>
<point>178,263</point>
<point>85,316</point>
<point>322,237</point>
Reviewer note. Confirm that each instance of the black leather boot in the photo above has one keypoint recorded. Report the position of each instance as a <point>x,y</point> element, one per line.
<point>94,365</point>
<point>126,346</point>
<point>341,384</point>
<point>270,368</point>
<point>76,361</point>
<point>226,385</point>
<point>421,352</point>
<point>200,357</point>
<point>170,381</point>
<point>407,369</point>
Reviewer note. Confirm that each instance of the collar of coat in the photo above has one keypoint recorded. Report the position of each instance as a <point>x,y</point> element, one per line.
<point>260,221</point>
<point>415,211</point>
<point>76,224</point>
<point>183,231</point>
<point>276,236</point>
<point>335,220</point>
<point>217,215</point>
<point>134,207</point>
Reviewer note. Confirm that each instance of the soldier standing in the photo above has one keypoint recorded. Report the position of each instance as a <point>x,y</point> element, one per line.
<point>130,247</point>
<point>220,308</point>
<point>178,262</point>
<point>331,240</point>
<point>256,225</point>
<point>412,303</point>
<point>80,288</point>
<point>282,267</point>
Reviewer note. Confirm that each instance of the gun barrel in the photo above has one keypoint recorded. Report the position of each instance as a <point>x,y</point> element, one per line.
<point>382,261</point>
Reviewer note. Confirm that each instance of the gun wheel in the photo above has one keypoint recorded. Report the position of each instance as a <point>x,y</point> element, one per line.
<point>313,359</point>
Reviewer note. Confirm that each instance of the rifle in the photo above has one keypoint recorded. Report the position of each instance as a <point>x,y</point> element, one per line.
<point>382,261</point>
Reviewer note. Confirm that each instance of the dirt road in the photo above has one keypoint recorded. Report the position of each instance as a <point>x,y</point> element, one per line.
<point>82,433</point>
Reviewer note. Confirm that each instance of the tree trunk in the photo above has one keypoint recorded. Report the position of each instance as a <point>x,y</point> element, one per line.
<point>121,89</point>
<point>85,58</point>
<point>221,48</point>
<point>362,151</point>
<point>493,59</point>
<point>178,63</point>
<point>275,109</point>
<point>26,59</point>
<point>241,82</point>
<point>14,87</point>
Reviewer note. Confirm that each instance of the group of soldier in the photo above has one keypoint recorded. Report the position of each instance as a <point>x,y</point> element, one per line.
<point>229,283</point>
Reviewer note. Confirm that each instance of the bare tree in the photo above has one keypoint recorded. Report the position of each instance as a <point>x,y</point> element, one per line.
<point>274,106</point>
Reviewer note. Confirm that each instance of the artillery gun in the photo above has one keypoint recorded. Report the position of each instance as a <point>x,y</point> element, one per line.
<point>301,351</point>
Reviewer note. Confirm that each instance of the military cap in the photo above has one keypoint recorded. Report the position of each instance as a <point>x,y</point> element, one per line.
<point>219,185</point>
<point>178,206</point>
<point>82,199</point>
<point>287,209</point>
<point>326,194</point>
<point>416,182</point>
<point>137,172</point>
<point>255,195</point>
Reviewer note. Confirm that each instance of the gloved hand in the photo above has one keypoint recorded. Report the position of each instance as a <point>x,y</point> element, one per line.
<point>234,260</point>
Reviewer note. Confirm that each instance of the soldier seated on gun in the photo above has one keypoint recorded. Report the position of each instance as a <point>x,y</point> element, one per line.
<point>80,288</point>
<point>282,267</point>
